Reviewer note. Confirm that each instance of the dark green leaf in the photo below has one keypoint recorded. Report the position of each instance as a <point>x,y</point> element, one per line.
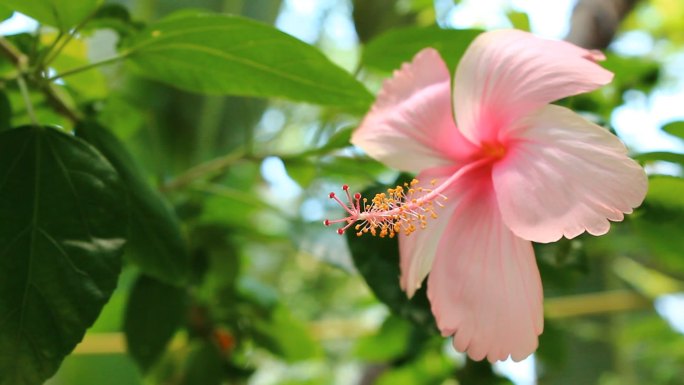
<point>389,50</point>
<point>61,237</point>
<point>372,17</point>
<point>632,72</point>
<point>204,366</point>
<point>659,156</point>
<point>377,259</point>
<point>675,128</point>
<point>154,312</point>
<point>62,14</point>
<point>115,17</point>
<point>156,244</point>
<point>5,112</point>
<point>222,54</point>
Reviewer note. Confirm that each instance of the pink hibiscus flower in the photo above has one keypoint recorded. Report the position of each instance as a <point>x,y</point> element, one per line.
<point>509,169</point>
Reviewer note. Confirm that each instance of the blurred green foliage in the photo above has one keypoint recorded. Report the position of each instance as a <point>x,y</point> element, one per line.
<point>196,149</point>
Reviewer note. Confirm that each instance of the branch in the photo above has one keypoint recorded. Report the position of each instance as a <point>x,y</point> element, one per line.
<point>595,22</point>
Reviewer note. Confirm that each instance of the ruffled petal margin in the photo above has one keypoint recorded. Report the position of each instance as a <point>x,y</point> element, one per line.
<point>484,286</point>
<point>564,175</point>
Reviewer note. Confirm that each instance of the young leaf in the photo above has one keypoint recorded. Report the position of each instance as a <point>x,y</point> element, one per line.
<point>154,312</point>
<point>61,237</point>
<point>222,54</point>
<point>389,50</point>
<point>62,14</point>
<point>156,244</point>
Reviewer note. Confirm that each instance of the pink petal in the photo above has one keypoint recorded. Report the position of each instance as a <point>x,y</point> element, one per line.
<point>410,127</point>
<point>417,250</point>
<point>507,74</point>
<point>484,287</point>
<point>564,175</point>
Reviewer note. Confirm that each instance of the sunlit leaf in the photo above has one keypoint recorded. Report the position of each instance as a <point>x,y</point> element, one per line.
<point>5,12</point>
<point>675,128</point>
<point>156,244</point>
<point>222,54</point>
<point>389,50</point>
<point>62,14</point>
<point>154,312</point>
<point>520,20</point>
<point>61,237</point>
<point>661,156</point>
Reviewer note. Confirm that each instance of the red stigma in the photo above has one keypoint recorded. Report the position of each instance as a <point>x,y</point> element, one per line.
<point>345,187</point>
<point>326,222</point>
<point>357,196</point>
<point>340,231</point>
<point>331,195</point>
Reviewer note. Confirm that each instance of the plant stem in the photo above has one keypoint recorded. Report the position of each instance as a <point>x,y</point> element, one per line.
<point>86,67</point>
<point>211,167</point>
<point>27,99</point>
<point>54,52</point>
<point>42,58</point>
<point>18,59</point>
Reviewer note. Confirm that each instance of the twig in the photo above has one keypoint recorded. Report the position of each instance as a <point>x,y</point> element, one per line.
<point>202,170</point>
<point>86,67</point>
<point>27,99</point>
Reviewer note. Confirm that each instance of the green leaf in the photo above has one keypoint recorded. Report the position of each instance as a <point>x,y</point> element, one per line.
<point>5,12</point>
<point>660,156</point>
<point>520,20</point>
<point>377,259</point>
<point>154,312</point>
<point>389,50</point>
<point>675,128</point>
<point>666,191</point>
<point>222,54</point>
<point>286,336</point>
<point>62,14</point>
<point>660,221</point>
<point>156,244</point>
<point>61,237</point>
<point>391,341</point>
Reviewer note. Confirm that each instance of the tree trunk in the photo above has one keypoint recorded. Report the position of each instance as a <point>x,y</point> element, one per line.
<point>594,22</point>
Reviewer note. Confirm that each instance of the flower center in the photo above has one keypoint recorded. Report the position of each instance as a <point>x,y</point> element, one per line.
<point>493,150</point>
<point>403,209</point>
